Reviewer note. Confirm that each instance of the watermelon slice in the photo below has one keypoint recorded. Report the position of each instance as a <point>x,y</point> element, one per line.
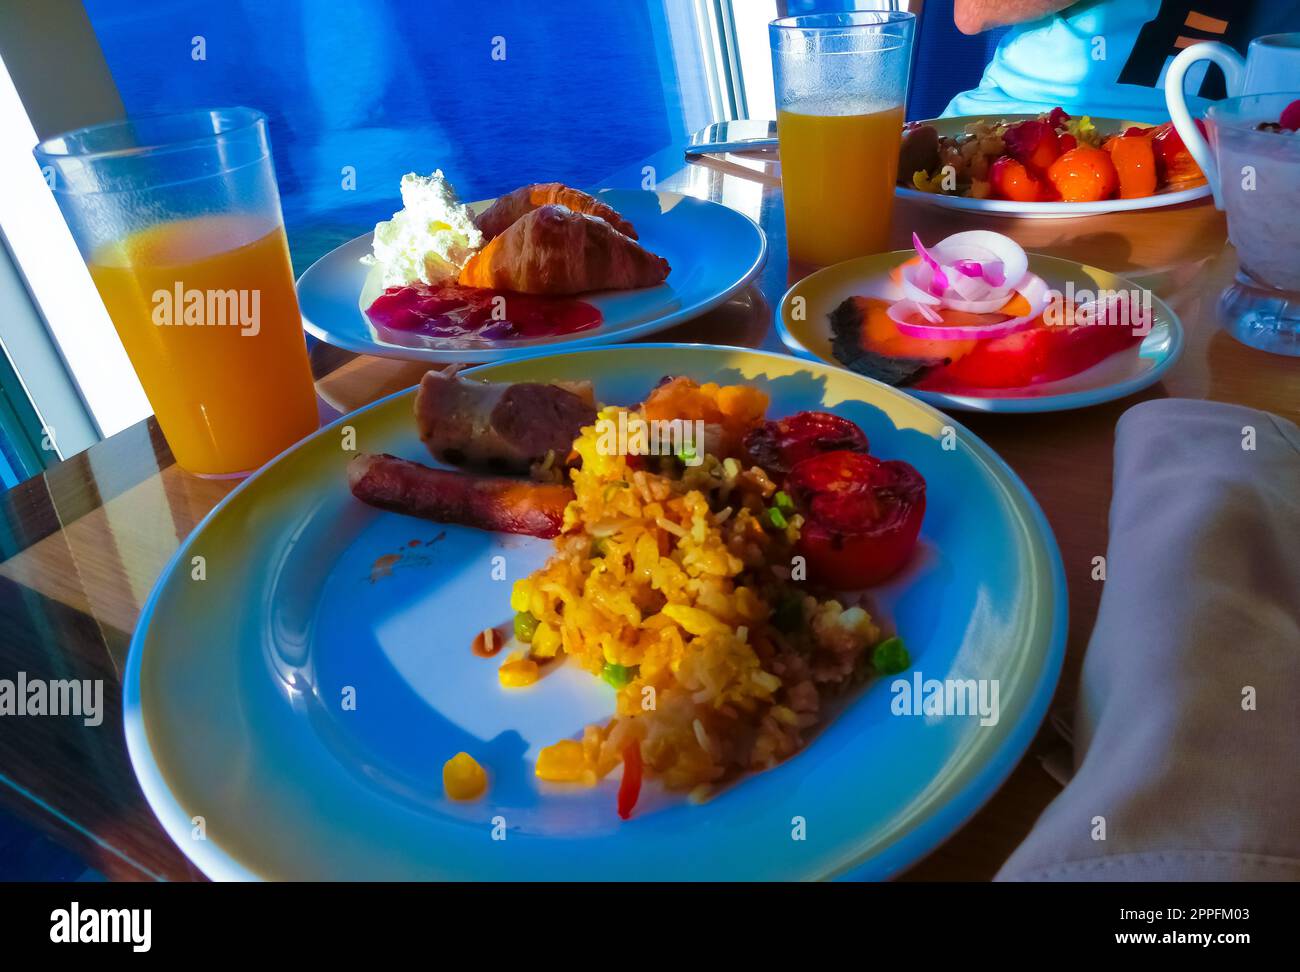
<point>867,341</point>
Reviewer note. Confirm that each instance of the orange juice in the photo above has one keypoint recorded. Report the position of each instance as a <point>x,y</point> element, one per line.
<point>207,312</point>
<point>837,176</point>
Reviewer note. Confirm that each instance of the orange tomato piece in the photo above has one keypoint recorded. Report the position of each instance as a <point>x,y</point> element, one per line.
<point>1013,180</point>
<point>1135,164</point>
<point>1084,174</point>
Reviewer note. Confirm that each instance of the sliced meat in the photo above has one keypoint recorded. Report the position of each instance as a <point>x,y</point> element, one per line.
<point>499,427</point>
<point>498,217</point>
<point>485,502</point>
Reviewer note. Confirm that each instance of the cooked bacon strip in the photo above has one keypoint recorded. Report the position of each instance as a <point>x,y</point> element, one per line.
<point>484,502</point>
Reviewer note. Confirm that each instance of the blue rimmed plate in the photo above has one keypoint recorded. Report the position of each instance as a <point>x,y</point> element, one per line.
<point>302,697</point>
<point>714,251</point>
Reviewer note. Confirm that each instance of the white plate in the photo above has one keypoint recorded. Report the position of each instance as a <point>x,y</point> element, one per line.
<point>713,250</point>
<point>1047,210</point>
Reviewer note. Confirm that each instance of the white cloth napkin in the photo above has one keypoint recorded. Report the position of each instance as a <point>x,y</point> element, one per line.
<point>1200,616</point>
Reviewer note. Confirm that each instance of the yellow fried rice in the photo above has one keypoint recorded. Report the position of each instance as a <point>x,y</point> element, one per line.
<point>674,583</point>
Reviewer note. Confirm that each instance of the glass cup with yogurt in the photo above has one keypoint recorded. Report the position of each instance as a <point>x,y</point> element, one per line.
<point>1257,177</point>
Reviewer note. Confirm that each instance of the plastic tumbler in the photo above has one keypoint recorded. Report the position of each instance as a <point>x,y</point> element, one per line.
<point>178,219</point>
<point>841,86</point>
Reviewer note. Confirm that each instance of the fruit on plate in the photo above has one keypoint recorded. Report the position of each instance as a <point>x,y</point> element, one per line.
<point>1174,164</point>
<point>1051,158</point>
<point>1287,121</point>
<point>1042,353</point>
<point>869,342</point>
<point>1011,179</point>
<point>1290,117</point>
<point>966,314</point>
<point>1083,174</point>
<point>1134,159</point>
<point>1034,143</point>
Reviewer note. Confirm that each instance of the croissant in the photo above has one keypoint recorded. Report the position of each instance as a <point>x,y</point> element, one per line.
<point>501,214</point>
<point>553,250</point>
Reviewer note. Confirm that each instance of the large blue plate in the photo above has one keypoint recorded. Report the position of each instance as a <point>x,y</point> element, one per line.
<point>714,251</point>
<point>235,684</point>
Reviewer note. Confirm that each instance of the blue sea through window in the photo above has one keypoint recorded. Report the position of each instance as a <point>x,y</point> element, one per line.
<point>496,94</point>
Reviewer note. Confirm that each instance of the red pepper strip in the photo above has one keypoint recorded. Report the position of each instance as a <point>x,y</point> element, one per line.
<point>630,788</point>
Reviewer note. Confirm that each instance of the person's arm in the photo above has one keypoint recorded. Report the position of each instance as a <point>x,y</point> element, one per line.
<point>975,16</point>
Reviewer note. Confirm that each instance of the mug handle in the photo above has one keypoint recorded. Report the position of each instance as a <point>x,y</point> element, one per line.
<point>1234,69</point>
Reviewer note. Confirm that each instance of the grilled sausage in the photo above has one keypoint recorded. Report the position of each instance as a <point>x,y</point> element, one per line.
<point>485,502</point>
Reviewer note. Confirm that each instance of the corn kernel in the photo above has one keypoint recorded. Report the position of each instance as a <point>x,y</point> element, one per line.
<point>694,620</point>
<point>463,778</point>
<point>562,763</point>
<point>518,672</point>
<point>783,713</point>
<point>546,641</point>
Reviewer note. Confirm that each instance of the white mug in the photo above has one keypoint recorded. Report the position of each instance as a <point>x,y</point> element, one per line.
<point>1272,63</point>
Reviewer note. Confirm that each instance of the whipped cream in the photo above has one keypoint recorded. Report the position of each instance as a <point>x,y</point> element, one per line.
<point>429,240</point>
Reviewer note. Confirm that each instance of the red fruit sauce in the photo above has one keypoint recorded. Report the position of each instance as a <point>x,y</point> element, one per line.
<point>458,312</point>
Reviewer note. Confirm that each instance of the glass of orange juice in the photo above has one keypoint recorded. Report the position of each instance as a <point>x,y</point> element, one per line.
<point>841,85</point>
<point>178,219</point>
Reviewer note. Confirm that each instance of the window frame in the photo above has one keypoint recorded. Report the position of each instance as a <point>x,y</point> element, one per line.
<point>64,356</point>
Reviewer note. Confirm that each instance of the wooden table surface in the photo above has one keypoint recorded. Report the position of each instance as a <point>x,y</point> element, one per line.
<point>84,543</point>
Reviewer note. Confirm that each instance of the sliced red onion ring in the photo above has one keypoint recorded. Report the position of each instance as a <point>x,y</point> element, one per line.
<point>1033,288</point>
<point>991,272</point>
<point>987,268</point>
<point>912,291</point>
<point>939,280</point>
<point>985,246</point>
<point>929,313</point>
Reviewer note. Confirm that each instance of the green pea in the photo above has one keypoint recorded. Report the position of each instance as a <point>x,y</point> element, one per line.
<point>783,501</point>
<point>616,675</point>
<point>777,518</point>
<point>788,617</point>
<point>525,626</point>
<point>890,657</point>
